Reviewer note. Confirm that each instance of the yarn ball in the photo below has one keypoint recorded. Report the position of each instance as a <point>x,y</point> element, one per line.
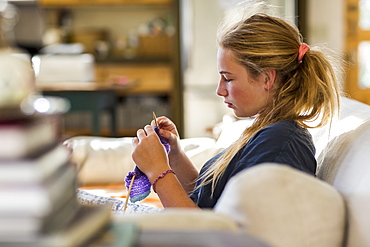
<point>140,187</point>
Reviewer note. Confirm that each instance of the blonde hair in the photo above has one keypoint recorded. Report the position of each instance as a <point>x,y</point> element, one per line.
<point>307,91</point>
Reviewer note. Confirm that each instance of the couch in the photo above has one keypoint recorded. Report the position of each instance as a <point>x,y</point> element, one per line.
<point>272,202</point>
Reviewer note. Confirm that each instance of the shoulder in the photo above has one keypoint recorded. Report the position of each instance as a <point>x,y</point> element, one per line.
<point>284,142</point>
<point>281,131</point>
<point>279,139</point>
<point>289,125</point>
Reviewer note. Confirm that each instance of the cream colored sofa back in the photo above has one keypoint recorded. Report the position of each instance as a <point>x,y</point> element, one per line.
<point>346,166</point>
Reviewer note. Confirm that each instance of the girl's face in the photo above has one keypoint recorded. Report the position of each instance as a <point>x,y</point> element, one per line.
<point>246,96</point>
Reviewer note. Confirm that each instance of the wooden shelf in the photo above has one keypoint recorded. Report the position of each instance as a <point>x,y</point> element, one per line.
<point>105,132</point>
<point>148,78</point>
<point>76,3</point>
<point>152,68</point>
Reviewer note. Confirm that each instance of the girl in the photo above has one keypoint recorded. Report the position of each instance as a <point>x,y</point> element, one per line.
<point>266,72</point>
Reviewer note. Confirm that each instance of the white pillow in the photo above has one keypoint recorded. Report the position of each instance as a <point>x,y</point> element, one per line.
<point>284,207</point>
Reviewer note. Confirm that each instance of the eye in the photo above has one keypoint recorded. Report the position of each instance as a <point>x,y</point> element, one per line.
<point>226,79</point>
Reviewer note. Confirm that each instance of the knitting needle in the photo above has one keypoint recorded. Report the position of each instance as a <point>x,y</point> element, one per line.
<point>128,193</point>
<point>155,119</point>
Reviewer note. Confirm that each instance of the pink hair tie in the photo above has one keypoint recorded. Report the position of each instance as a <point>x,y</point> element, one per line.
<point>303,48</point>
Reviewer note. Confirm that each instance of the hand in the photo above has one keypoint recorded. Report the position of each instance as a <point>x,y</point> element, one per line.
<point>149,154</point>
<point>169,132</point>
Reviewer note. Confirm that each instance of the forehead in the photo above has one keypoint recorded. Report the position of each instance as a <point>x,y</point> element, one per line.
<point>224,54</point>
<point>226,61</point>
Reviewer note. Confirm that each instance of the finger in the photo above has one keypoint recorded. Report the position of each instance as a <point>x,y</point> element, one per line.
<point>163,120</point>
<point>135,141</point>
<point>149,129</point>
<point>165,123</point>
<point>140,134</point>
<point>165,133</point>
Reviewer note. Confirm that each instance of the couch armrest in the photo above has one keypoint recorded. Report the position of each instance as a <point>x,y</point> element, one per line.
<point>284,207</point>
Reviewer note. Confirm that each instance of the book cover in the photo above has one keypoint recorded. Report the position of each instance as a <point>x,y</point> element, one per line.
<point>39,199</point>
<point>87,223</point>
<point>34,170</point>
<point>26,137</point>
<point>28,225</point>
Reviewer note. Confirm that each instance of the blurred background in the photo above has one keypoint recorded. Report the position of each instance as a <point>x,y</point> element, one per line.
<point>160,55</point>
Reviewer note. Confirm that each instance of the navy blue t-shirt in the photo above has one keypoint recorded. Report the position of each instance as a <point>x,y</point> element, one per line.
<point>284,142</point>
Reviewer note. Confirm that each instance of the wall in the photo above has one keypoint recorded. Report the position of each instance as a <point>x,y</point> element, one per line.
<point>202,107</point>
<point>326,21</point>
<point>326,26</point>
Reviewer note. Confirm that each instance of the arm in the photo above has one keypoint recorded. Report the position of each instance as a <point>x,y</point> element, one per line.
<point>186,172</point>
<point>150,156</point>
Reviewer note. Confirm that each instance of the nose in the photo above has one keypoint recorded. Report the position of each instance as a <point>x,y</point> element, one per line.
<point>221,91</point>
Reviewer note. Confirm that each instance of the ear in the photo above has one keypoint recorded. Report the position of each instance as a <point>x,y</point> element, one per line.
<point>270,78</point>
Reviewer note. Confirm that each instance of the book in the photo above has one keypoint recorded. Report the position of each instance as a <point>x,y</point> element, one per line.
<point>34,170</point>
<point>26,137</point>
<point>87,223</point>
<point>28,225</point>
<point>39,199</point>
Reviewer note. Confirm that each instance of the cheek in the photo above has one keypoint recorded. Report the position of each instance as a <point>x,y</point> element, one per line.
<point>241,95</point>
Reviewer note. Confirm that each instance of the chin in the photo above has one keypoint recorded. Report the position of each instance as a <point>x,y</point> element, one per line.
<point>238,115</point>
<point>245,115</point>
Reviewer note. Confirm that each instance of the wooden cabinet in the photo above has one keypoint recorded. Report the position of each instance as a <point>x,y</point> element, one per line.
<point>154,66</point>
<point>156,79</point>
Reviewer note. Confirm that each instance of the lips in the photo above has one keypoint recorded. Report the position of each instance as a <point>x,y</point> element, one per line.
<point>228,104</point>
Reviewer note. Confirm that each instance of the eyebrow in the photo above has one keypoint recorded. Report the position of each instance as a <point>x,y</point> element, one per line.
<point>224,72</point>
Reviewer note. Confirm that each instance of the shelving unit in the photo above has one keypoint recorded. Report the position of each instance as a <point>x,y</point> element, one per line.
<point>150,59</point>
<point>84,3</point>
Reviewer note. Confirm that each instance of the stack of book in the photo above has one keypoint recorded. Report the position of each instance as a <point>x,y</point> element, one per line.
<point>38,204</point>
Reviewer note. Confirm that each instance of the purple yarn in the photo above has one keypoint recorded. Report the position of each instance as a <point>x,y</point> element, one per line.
<point>141,185</point>
<point>165,144</point>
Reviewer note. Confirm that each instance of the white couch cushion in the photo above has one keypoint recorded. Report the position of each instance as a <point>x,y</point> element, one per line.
<point>352,115</point>
<point>284,207</point>
<point>103,160</point>
<point>346,166</point>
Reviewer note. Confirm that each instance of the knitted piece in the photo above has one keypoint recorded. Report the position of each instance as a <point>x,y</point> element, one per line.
<point>165,144</point>
<point>141,185</point>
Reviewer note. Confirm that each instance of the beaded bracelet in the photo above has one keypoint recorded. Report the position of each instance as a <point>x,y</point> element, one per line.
<point>161,176</point>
